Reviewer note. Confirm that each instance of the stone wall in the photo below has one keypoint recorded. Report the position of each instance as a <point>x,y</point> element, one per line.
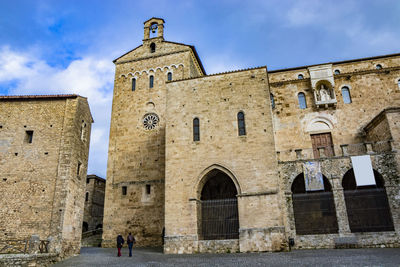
<point>42,192</point>
<point>162,170</point>
<point>136,158</point>
<point>94,205</point>
<point>25,260</point>
<point>249,160</point>
<point>371,91</point>
<point>334,169</point>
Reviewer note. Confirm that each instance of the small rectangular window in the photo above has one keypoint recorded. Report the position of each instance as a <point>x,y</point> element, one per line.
<point>148,189</point>
<point>29,137</point>
<point>151,81</point>
<point>78,169</point>
<point>124,189</point>
<point>133,84</point>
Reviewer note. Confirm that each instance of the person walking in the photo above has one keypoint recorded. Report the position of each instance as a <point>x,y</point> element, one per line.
<point>120,242</point>
<point>130,240</point>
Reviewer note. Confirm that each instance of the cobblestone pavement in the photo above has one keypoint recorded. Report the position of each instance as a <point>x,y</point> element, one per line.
<point>154,257</point>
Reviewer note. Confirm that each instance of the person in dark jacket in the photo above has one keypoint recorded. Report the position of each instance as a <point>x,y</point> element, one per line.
<point>120,242</point>
<point>130,240</point>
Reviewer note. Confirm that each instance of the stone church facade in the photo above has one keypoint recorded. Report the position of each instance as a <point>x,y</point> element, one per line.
<point>216,163</point>
<point>44,145</point>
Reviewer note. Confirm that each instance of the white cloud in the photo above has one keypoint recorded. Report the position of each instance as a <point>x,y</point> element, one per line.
<point>341,21</point>
<point>89,77</point>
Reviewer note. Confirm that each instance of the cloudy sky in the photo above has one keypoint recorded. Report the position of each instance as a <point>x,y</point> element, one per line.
<point>67,46</point>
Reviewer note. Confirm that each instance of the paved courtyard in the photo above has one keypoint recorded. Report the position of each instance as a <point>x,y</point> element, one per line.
<point>153,257</point>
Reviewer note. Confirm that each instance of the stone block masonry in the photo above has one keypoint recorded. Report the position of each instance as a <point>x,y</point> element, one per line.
<point>44,144</point>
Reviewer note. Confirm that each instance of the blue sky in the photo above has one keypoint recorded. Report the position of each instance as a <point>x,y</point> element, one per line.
<point>51,47</point>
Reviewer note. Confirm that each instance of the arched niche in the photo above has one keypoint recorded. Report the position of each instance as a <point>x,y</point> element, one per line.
<point>319,124</point>
<point>367,207</point>
<point>314,211</point>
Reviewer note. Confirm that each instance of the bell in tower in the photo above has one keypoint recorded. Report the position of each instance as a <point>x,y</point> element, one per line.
<point>154,28</point>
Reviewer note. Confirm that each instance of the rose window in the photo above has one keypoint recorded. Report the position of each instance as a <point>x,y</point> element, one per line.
<point>150,121</point>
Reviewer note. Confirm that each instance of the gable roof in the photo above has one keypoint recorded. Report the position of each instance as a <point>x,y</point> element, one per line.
<point>154,18</point>
<point>191,47</point>
<point>336,62</point>
<point>30,97</point>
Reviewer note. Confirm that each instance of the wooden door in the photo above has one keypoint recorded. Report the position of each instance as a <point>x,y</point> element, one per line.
<point>322,141</point>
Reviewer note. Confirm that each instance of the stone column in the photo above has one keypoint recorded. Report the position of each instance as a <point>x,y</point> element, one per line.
<point>340,206</point>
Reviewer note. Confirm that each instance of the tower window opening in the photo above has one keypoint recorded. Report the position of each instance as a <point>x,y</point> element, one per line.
<point>151,81</point>
<point>271,96</point>
<point>29,137</point>
<point>124,190</point>
<point>78,169</point>
<point>241,124</point>
<point>133,84</point>
<point>337,72</point>
<point>300,77</point>
<point>148,189</point>
<point>196,129</point>
<point>153,30</point>
<point>152,47</point>
<point>398,83</point>
<point>378,66</point>
<point>169,76</point>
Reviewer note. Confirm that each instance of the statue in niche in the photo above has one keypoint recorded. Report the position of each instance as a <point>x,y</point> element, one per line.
<point>324,93</point>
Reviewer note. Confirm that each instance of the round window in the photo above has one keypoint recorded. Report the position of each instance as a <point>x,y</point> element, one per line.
<point>150,121</point>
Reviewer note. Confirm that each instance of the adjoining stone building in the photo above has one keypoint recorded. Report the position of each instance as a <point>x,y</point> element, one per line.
<point>94,203</point>
<point>44,145</point>
<point>221,161</point>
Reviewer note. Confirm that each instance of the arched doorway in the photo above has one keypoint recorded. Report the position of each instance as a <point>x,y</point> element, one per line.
<point>314,211</point>
<point>367,206</point>
<point>219,208</point>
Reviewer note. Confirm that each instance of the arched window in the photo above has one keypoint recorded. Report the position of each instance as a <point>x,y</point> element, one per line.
<point>241,123</point>
<point>196,129</point>
<point>152,47</point>
<point>271,96</point>
<point>219,207</point>
<point>302,100</point>
<point>169,76</point>
<point>346,95</point>
<point>87,196</point>
<point>398,83</point>
<point>151,81</point>
<point>300,76</point>
<point>133,84</point>
<point>378,66</point>
<point>337,71</point>
<point>314,211</point>
<point>367,206</point>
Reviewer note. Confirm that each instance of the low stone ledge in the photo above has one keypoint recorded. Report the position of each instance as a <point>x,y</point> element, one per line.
<point>45,259</point>
<point>346,242</point>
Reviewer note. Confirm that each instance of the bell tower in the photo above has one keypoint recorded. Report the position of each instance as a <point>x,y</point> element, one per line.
<point>154,28</point>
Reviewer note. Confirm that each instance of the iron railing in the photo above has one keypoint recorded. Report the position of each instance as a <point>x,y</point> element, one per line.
<point>314,213</point>
<point>219,219</point>
<point>368,210</point>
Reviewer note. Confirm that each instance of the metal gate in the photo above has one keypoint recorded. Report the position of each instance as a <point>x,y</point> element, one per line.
<point>314,213</point>
<point>219,219</point>
<point>368,210</point>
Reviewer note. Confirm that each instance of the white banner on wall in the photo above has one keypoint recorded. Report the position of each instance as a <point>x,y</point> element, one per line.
<point>313,178</point>
<point>363,170</point>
